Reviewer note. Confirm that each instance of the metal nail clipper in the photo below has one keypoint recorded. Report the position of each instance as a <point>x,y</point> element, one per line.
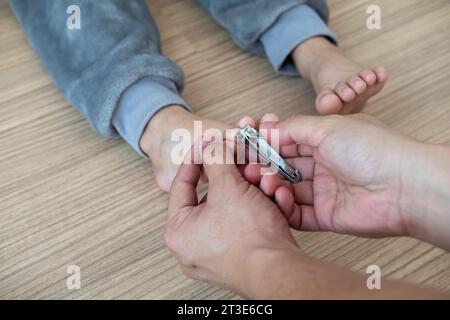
<point>255,142</point>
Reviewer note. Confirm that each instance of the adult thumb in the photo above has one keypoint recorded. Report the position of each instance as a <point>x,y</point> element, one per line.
<point>309,130</point>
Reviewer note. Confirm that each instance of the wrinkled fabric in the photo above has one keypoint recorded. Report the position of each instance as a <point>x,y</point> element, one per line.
<point>118,45</point>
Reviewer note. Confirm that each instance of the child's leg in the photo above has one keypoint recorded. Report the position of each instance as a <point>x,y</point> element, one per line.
<point>342,86</point>
<point>157,142</point>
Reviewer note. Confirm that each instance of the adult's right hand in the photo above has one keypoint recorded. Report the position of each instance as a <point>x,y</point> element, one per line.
<point>361,178</point>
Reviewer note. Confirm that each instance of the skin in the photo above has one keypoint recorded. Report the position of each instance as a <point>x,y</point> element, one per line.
<point>341,85</point>
<point>239,238</point>
<point>360,178</point>
<point>156,140</point>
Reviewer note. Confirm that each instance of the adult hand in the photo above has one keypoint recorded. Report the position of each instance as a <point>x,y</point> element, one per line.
<point>237,238</point>
<point>220,238</point>
<point>360,178</point>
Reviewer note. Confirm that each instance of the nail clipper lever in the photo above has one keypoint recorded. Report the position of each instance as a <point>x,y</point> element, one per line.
<point>255,142</point>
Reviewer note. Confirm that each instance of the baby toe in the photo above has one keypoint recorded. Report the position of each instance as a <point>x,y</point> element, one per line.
<point>357,84</point>
<point>381,74</point>
<point>345,92</point>
<point>369,77</point>
<point>328,103</point>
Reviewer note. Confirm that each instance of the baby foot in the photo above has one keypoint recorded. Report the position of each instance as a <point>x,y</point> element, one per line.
<point>157,141</point>
<point>342,86</point>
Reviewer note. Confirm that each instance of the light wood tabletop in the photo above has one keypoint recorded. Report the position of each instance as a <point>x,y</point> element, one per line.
<point>70,197</point>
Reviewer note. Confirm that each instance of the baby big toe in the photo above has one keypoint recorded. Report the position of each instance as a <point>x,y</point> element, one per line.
<point>328,103</point>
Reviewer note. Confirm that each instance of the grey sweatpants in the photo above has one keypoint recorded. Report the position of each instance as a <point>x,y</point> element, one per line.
<point>119,44</point>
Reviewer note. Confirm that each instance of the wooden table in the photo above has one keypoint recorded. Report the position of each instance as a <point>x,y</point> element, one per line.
<point>68,196</point>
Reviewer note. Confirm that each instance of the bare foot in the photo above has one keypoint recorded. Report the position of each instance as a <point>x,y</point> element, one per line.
<point>342,86</point>
<point>157,142</point>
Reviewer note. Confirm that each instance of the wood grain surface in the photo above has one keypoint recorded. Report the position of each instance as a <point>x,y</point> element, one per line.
<point>68,196</point>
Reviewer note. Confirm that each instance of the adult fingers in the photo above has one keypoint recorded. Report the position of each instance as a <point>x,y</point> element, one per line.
<point>286,203</point>
<point>183,191</point>
<point>246,121</point>
<point>303,164</point>
<point>307,130</point>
